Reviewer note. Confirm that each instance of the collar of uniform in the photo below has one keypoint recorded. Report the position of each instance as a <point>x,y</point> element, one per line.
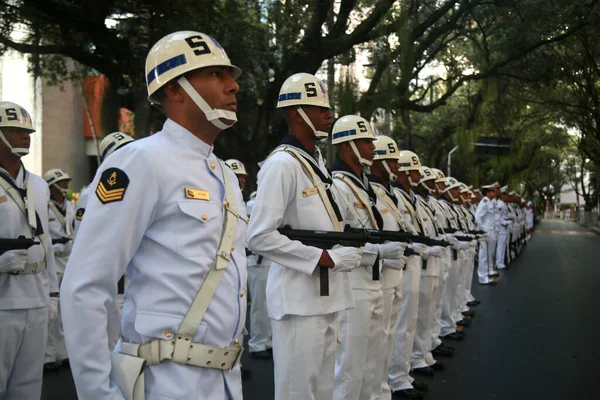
<point>187,138</point>
<point>340,165</point>
<point>21,179</point>
<point>293,141</point>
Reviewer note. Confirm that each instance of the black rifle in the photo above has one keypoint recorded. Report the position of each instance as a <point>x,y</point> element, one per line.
<point>62,240</point>
<point>21,243</point>
<point>378,237</point>
<point>325,240</point>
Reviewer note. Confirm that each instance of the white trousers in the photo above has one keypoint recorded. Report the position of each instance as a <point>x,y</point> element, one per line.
<point>501,250</point>
<point>361,336</point>
<point>304,349</point>
<point>470,266</point>
<point>422,342</point>
<point>486,259</point>
<point>392,301</point>
<point>398,377</point>
<point>260,326</point>
<point>56,350</point>
<point>114,312</point>
<point>23,336</point>
<point>458,287</point>
<point>437,305</point>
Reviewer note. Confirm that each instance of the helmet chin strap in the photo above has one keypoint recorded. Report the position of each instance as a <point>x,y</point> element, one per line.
<point>452,197</point>
<point>410,180</point>
<point>429,190</point>
<point>363,161</point>
<point>17,151</point>
<point>319,134</point>
<point>212,115</point>
<point>392,176</point>
<point>63,191</point>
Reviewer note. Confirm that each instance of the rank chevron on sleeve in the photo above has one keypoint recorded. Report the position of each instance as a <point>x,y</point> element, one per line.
<point>112,186</point>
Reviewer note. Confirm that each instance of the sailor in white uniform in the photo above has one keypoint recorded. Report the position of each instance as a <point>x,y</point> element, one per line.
<point>484,217</point>
<point>170,215</point>
<point>295,189</point>
<point>61,213</point>
<point>28,285</point>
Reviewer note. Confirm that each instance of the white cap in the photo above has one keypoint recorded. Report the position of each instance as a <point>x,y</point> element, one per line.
<point>236,166</point>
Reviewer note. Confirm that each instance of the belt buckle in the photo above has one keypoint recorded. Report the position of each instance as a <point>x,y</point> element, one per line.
<point>238,358</point>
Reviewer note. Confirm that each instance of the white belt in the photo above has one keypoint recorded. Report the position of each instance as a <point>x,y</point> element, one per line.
<point>31,269</point>
<point>198,354</point>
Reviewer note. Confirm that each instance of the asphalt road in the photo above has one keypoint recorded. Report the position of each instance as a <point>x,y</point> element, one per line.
<point>534,337</point>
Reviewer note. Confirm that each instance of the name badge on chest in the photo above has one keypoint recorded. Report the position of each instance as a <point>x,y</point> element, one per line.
<point>309,192</point>
<point>197,194</point>
<point>2,199</point>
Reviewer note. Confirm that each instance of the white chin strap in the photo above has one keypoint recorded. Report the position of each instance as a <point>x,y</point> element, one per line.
<point>451,196</point>
<point>364,162</point>
<point>429,190</point>
<point>63,191</point>
<point>212,115</point>
<point>17,151</point>
<point>412,183</point>
<point>319,134</point>
<point>392,176</point>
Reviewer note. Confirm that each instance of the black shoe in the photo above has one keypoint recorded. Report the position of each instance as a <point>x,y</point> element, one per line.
<point>66,364</point>
<point>270,350</point>
<point>443,346</point>
<point>52,366</point>
<point>407,394</point>
<point>421,386</point>
<point>468,313</point>
<point>473,303</point>
<point>425,371</point>
<point>490,283</point>
<point>464,322</point>
<point>442,351</point>
<point>246,374</point>
<point>261,355</point>
<point>495,275</point>
<point>454,336</point>
<point>438,366</point>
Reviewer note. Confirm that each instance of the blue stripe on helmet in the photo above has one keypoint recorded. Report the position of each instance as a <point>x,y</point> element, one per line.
<point>380,152</point>
<point>110,146</point>
<point>166,66</point>
<point>344,133</point>
<point>290,96</point>
<point>405,164</point>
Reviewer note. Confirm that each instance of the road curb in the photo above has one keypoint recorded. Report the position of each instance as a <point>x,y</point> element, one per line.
<point>596,230</point>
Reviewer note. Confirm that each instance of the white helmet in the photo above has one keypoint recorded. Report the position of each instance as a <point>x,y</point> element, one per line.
<point>427,174</point>
<point>112,142</point>
<point>349,129</point>
<point>181,52</point>
<point>53,176</point>
<point>13,115</point>
<point>386,148</point>
<point>304,89</point>
<point>409,161</point>
<point>451,183</point>
<point>236,166</point>
<point>439,175</point>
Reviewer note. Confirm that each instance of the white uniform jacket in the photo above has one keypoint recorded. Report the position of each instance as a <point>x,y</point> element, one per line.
<point>163,231</point>
<point>391,277</point>
<point>358,217</point>
<point>502,212</point>
<point>287,196</point>
<point>59,217</point>
<point>484,216</point>
<point>27,291</point>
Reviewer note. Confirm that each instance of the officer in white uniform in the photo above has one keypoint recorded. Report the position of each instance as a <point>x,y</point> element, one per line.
<point>385,170</point>
<point>61,216</point>
<point>261,337</point>
<point>361,328</point>
<point>294,188</point>
<point>529,219</point>
<point>485,221</point>
<point>169,214</point>
<point>400,382</point>
<point>503,230</point>
<point>109,144</point>
<point>28,285</point>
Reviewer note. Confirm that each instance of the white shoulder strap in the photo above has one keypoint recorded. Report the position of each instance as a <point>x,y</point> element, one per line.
<point>412,212</point>
<point>359,196</point>
<point>317,182</point>
<point>388,202</point>
<point>194,316</point>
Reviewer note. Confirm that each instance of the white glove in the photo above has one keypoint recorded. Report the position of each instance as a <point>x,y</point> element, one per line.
<point>418,247</point>
<point>435,251</point>
<point>395,264</point>
<point>52,310</point>
<point>456,245</point>
<point>13,261</point>
<point>58,249</point>
<point>68,248</point>
<point>345,258</point>
<point>392,250</point>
